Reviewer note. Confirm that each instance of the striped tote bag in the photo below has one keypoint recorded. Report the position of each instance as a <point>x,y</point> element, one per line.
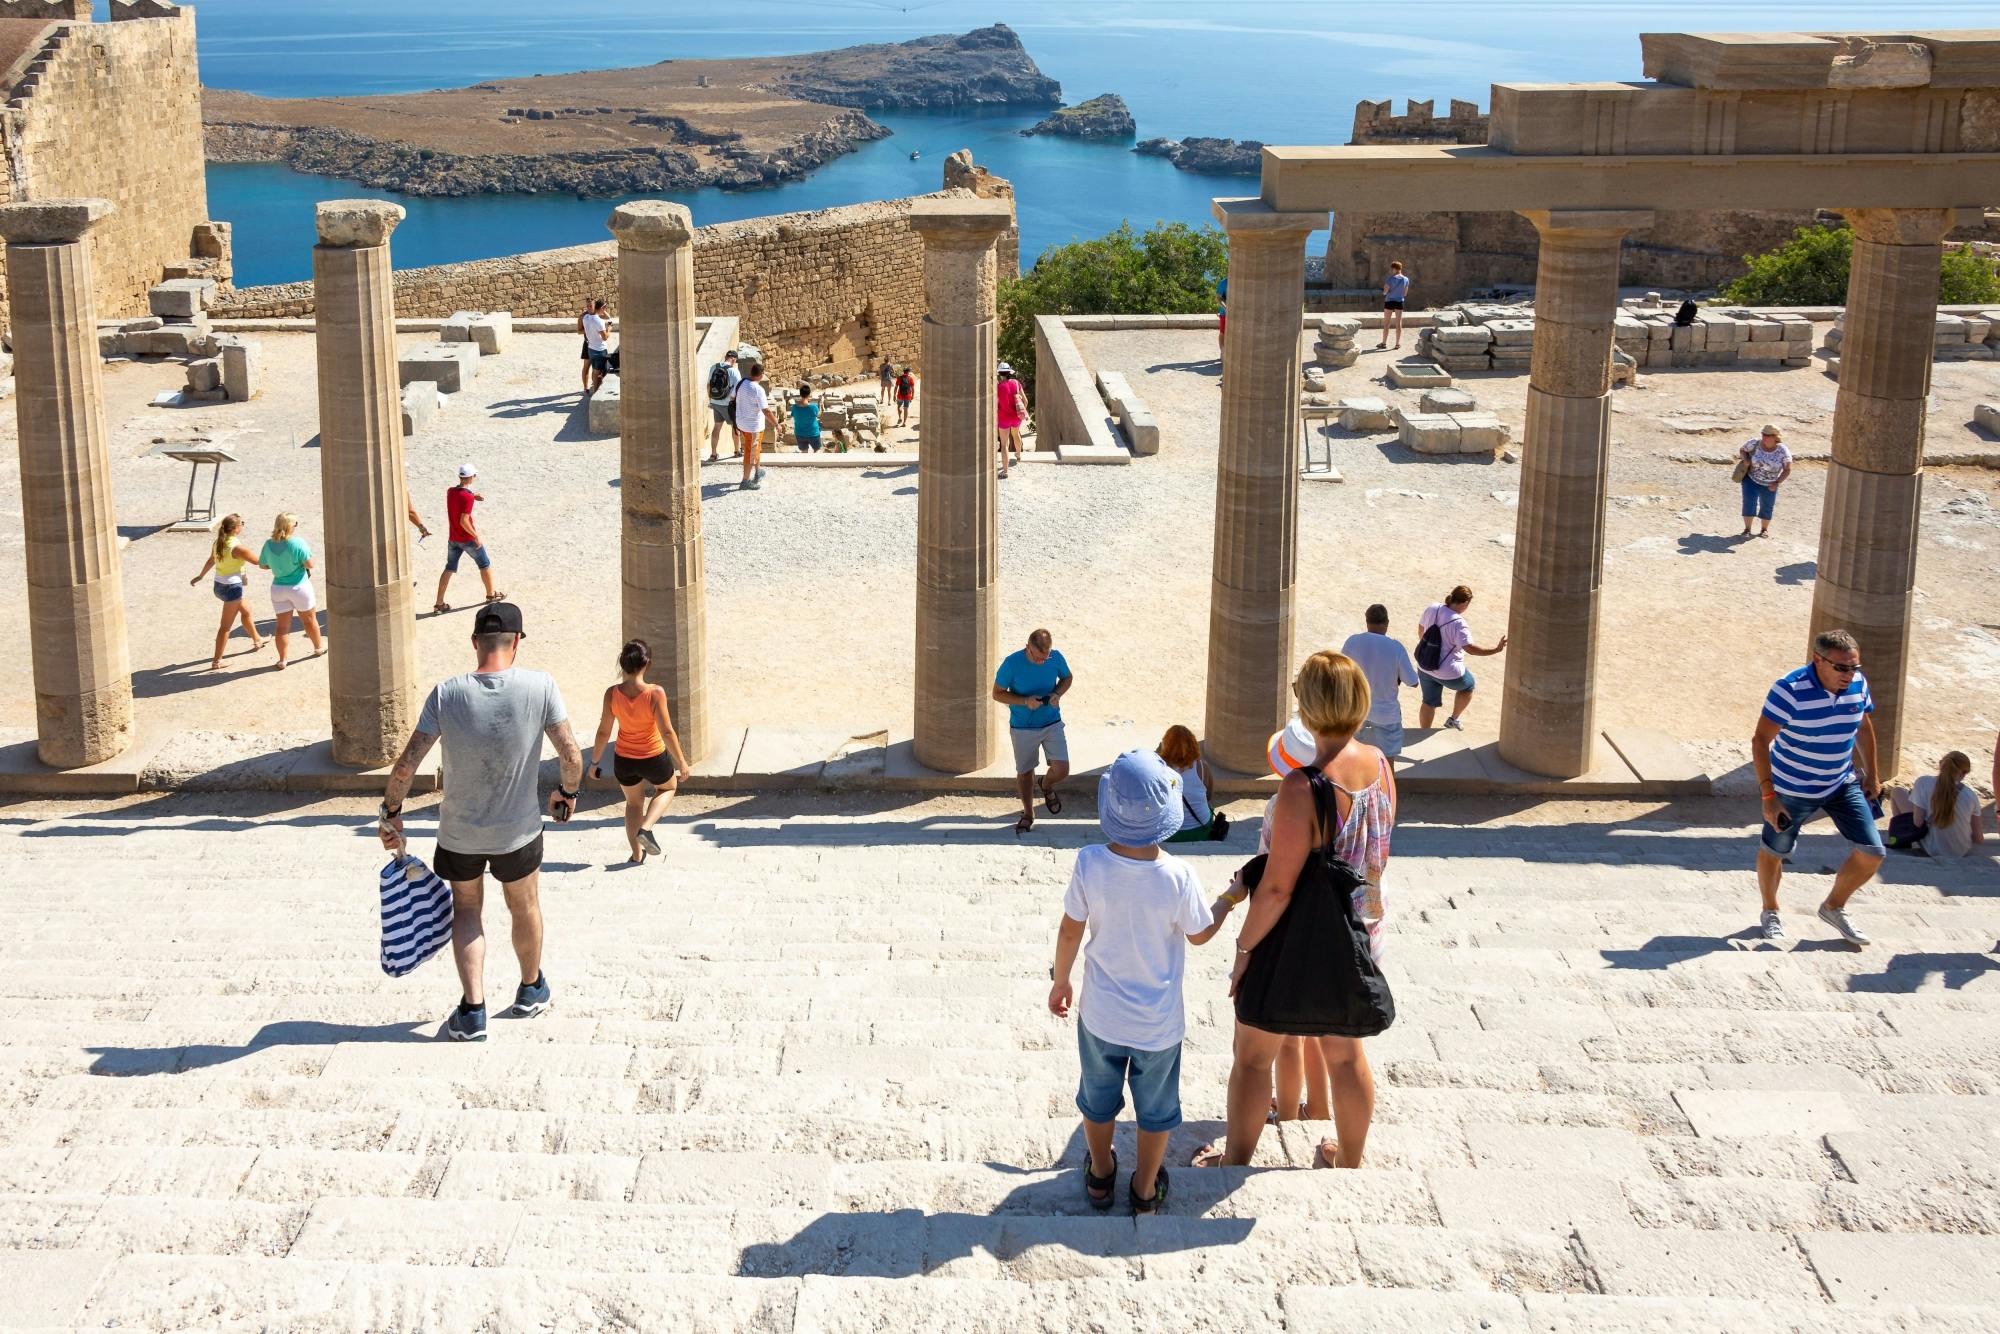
<point>416,915</point>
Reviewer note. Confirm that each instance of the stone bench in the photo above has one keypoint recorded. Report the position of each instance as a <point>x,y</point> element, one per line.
<point>450,366</point>
<point>1135,419</point>
<point>603,415</point>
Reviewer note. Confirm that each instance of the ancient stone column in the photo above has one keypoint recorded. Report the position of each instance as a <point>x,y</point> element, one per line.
<point>665,594</point>
<point>958,518</point>
<point>1868,530</point>
<point>1548,720</point>
<point>76,596</point>
<point>371,619</point>
<point>1250,666</point>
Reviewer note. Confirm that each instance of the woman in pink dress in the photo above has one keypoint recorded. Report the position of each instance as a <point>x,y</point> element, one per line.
<point>1013,412</point>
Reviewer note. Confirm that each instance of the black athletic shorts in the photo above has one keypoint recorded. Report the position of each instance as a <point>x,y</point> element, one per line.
<point>655,769</point>
<point>506,866</point>
<point>1392,305</point>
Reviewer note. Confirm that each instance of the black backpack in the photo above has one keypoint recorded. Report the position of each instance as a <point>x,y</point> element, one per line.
<point>1313,974</point>
<point>1430,649</point>
<point>1685,315</point>
<point>718,382</point>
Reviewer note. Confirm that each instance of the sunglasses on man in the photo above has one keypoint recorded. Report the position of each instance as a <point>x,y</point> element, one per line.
<point>1845,668</point>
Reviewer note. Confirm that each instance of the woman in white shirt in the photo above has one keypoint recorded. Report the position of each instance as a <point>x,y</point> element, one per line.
<point>1769,463</point>
<point>1939,814</point>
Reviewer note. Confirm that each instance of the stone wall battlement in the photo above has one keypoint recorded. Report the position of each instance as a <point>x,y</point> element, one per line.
<point>1375,124</point>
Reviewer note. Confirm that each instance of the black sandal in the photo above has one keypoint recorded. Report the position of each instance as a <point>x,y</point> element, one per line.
<point>1140,1206</point>
<point>1052,801</point>
<point>1108,1183</point>
<point>1023,825</point>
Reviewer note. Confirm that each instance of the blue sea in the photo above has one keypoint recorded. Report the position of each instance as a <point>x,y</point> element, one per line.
<point>1283,71</point>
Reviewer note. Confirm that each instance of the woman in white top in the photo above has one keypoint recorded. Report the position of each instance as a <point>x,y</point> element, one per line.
<point>1939,814</point>
<point>1182,754</point>
<point>1770,463</point>
<point>1454,646</point>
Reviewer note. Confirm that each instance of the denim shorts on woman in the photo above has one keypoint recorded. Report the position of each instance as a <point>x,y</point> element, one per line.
<point>1155,1077</point>
<point>1434,689</point>
<point>227,592</point>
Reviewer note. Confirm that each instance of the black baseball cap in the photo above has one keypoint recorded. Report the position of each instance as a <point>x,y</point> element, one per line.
<point>498,618</point>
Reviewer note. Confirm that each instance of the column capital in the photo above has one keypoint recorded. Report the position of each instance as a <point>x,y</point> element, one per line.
<point>1251,219</point>
<point>961,223</point>
<point>52,221</point>
<point>355,224</point>
<point>651,224</point>
<point>1585,224</point>
<point>1901,226</point>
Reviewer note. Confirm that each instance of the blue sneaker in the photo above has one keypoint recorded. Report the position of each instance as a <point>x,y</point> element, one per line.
<point>465,1025</point>
<point>530,1000</point>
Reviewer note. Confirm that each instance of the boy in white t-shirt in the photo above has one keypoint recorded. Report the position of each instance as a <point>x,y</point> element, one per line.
<point>1142,908</point>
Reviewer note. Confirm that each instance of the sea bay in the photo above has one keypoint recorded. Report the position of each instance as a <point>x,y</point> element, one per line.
<point>1280,71</point>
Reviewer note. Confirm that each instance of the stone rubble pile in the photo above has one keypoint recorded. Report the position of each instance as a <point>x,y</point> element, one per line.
<point>1955,338</point>
<point>1480,337</point>
<point>1448,421</point>
<point>846,421</point>
<point>1336,341</point>
<point>221,367</point>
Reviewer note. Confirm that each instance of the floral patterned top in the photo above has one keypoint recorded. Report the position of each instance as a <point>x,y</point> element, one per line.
<point>1363,843</point>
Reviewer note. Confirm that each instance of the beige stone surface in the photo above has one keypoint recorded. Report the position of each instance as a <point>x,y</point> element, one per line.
<point>356,222</point>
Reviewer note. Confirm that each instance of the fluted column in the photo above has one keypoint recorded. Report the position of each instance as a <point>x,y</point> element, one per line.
<point>1250,663</point>
<point>76,595</point>
<point>371,618</point>
<point>1868,530</point>
<point>958,518</point>
<point>1548,719</point>
<point>665,589</point>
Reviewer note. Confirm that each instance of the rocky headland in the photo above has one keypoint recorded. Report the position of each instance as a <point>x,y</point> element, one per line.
<point>677,125</point>
<point>1102,117</point>
<point>1213,157</point>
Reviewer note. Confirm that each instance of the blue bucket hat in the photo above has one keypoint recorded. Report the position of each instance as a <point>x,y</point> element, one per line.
<point>1139,800</point>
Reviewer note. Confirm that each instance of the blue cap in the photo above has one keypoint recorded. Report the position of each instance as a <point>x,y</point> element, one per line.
<point>1139,800</point>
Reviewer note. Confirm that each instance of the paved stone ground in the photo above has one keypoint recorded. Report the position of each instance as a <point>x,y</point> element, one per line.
<point>799,1077</point>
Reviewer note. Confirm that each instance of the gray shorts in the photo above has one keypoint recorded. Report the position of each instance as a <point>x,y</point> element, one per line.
<point>1385,737</point>
<point>720,412</point>
<point>1049,741</point>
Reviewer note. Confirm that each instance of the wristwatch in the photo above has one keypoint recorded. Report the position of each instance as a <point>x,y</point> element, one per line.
<point>564,793</point>
<point>388,814</point>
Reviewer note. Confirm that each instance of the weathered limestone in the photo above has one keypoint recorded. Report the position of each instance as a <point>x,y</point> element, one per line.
<point>1548,720</point>
<point>957,728</point>
<point>419,404</point>
<point>371,620</point>
<point>76,594</point>
<point>602,417</point>
<point>447,365</point>
<point>665,598</point>
<point>1250,662</point>
<point>1868,529</point>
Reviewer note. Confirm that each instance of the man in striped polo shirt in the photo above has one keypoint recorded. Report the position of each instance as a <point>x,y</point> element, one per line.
<point>1814,721</point>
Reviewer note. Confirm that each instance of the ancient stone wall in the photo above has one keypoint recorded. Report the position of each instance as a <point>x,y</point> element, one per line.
<point>1373,124</point>
<point>114,110</point>
<point>825,292</point>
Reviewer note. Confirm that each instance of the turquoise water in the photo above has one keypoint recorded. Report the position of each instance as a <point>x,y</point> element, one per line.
<point>1284,71</point>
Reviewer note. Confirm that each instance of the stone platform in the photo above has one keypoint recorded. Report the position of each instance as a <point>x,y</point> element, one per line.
<point>799,1077</point>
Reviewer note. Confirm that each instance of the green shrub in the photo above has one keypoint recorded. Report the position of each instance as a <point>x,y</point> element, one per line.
<point>1171,269</point>
<point>1811,270</point>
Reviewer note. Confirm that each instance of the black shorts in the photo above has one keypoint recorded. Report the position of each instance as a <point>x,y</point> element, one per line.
<point>655,769</point>
<point>1392,305</point>
<point>507,867</point>
<point>586,350</point>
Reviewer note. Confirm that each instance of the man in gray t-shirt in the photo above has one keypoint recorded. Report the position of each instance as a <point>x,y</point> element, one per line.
<point>492,721</point>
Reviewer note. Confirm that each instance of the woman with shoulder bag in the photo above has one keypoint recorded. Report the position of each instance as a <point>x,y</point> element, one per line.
<point>1762,466</point>
<point>1308,960</point>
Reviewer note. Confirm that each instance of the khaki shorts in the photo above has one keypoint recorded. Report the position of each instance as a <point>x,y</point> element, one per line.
<point>1029,741</point>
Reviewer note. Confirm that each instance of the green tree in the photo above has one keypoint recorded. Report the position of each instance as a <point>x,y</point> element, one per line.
<point>1811,270</point>
<point>1170,269</point>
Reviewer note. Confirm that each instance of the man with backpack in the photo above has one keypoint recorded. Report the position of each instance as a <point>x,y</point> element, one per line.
<point>723,378</point>
<point>1443,643</point>
<point>906,393</point>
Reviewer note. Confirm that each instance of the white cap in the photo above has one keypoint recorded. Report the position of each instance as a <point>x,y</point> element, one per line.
<point>467,470</point>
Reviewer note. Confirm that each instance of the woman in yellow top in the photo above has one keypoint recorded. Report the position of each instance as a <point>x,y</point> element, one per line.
<point>227,556</point>
<point>648,751</point>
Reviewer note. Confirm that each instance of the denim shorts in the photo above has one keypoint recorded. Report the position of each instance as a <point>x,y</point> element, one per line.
<point>1434,689</point>
<point>1155,1077</point>
<point>1385,737</point>
<point>227,592</point>
<point>1851,817</point>
<point>1758,500</point>
<point>476,550</point>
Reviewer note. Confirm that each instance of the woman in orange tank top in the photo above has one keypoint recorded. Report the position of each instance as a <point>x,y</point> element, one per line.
<point>648,753</point>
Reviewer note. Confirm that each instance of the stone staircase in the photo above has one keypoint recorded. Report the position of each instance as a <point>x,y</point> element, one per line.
<point>799,1077</point>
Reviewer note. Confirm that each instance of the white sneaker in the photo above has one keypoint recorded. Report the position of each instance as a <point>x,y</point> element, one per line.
<point>1849,932</point>
<point>1774,928</point>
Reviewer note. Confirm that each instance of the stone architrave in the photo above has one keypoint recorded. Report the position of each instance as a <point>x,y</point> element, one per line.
<point>1874,483</point>
<point>371,618</point>
<point>1548,720</point>
<point>665,599</point>
<point>1250,666</point>
<point>76,593</point>
<point>958,519</point>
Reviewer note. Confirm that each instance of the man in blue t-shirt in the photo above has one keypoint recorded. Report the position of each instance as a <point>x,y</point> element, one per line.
<point>1814,723</point>
<point>1031,683</point>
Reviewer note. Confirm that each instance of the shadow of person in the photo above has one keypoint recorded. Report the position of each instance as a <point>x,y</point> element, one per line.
<point>1905,973</point>
<point>284,1033</point>
<point>1695,544</point>
<point>1797,573</point>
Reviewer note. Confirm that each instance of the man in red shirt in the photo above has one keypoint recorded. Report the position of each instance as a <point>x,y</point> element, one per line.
<point>464,538</point>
